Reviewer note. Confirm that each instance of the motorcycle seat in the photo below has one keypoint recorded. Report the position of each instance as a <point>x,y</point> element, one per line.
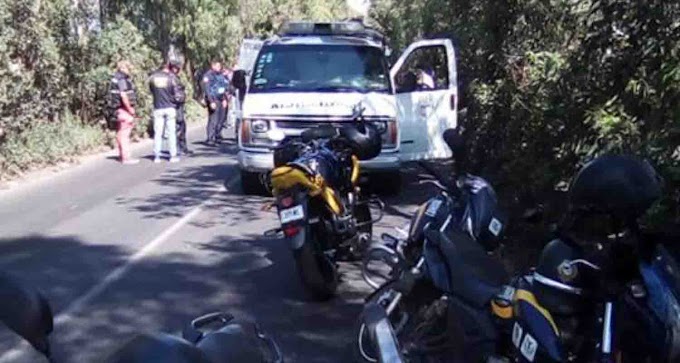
<point>473,275</point>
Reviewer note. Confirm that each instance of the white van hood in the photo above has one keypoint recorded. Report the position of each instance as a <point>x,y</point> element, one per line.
<point>317,105</point>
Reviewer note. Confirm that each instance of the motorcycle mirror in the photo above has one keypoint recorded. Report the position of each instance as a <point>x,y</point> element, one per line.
<point>454,140</point>
<point>26,312</point>
<point>276,135</point>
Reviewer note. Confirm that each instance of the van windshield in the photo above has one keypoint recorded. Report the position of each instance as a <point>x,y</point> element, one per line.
<point>320,68</point>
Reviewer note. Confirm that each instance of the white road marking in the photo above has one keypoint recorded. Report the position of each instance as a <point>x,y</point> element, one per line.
<point>78,304</point>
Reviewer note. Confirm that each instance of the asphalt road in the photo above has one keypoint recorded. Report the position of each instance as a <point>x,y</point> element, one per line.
<point>124,249</point>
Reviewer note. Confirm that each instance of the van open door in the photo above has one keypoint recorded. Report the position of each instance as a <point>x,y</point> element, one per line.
<point>426,88</point>
<point>247,54</point>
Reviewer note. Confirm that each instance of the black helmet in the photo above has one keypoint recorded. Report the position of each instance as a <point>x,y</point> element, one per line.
<point>364,140</point>
<point>621,186</point>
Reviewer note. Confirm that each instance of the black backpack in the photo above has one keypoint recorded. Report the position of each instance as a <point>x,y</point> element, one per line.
<point>113,99</point>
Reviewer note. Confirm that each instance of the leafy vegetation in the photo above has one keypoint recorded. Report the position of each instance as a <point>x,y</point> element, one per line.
<point>56,58</point>
<point>551,84</point>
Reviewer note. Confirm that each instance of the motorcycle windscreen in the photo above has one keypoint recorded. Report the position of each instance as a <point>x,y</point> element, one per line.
<point>483,218</point>
<point>434,210</point>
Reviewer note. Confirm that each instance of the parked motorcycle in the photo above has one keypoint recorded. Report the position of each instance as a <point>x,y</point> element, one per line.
<point>604,292</point>
<point>323,215</point>
<point>213,338</point>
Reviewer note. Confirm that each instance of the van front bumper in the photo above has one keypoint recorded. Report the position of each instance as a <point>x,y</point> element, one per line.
<point>259,162</point>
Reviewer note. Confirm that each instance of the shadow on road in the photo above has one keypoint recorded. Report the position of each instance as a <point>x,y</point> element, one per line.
<point>185,186</point>
<point>250,277</point>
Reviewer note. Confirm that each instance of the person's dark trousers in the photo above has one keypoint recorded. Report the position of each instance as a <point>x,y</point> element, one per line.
<point>181,131</point>
<point>222,122</point>
<point>214,121</point>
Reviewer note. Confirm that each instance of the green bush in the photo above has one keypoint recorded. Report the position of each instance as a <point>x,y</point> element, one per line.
<point>47,143</point>
<point>553,86</point>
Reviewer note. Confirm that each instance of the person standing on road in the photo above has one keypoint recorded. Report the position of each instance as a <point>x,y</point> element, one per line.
<point>123,91</point>
<point>181,98</point>
<point>164,86</point>
<point>215,87</point>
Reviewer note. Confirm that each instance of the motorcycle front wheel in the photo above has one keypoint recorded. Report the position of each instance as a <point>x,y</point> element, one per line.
<point>408,323</point>
<point>364,348</point>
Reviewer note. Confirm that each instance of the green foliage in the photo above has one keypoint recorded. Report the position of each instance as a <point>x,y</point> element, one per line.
<point>47,143</point>
<point>56,59</point>
<point>554,83</point>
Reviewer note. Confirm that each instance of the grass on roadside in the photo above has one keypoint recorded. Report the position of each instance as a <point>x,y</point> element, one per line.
<point>44,143</point>
<point>47,143</point>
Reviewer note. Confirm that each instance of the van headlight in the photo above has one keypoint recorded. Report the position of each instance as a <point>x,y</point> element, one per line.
<point>260,126</point>
<point>255,133</point>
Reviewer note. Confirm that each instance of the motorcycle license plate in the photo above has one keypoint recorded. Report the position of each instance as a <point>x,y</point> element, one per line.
<point>292,214</point>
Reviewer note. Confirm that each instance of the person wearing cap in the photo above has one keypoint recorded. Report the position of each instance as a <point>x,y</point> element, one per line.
<point>215,86</point>
<point>166,91</point>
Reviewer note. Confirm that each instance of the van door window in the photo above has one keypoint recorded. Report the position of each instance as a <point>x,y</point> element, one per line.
<point>425,69</point>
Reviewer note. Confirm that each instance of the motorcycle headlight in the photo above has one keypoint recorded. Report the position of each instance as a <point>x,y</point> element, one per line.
<point>260,126</point>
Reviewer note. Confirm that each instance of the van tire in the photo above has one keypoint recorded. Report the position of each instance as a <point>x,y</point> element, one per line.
<point>386,183</point>
<point>251,183</point>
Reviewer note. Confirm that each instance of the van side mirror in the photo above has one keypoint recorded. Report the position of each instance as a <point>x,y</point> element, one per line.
<point>26,312</point>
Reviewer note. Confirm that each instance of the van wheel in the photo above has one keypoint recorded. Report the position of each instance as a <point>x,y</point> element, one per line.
<point>251,183</point>
<point>386,184</point>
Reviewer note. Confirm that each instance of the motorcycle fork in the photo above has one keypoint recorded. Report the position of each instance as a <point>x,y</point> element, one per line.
<point>399,295</point>
<point>607,343</point>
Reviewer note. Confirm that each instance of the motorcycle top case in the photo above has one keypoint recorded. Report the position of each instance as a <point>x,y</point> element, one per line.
<point>535,336</point>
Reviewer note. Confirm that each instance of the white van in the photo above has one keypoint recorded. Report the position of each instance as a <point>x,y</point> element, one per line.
<point>315,73</point>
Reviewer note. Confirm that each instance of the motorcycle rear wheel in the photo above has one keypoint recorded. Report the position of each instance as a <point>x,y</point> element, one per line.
<point>317,272</point>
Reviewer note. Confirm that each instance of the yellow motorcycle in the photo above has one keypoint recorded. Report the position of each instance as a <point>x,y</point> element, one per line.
<point>323,215</point>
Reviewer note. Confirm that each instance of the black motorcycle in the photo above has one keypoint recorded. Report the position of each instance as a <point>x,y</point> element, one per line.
<point>213,338</point>
<point>614,301</point>
<point>416,298</point>
<point>323,215</point>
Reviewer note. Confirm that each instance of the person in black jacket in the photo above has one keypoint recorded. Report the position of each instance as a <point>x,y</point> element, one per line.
<point>125,94</point>
<point>181,97</point>
<point>166,91</point>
